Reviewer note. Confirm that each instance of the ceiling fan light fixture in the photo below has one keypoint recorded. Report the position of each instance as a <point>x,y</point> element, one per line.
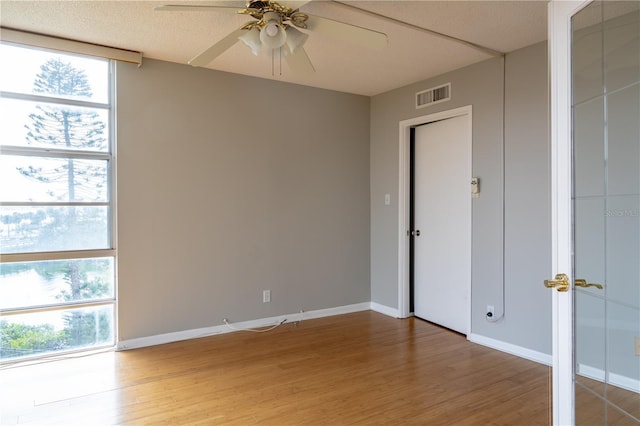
<point>272,29</point>
<point>273,35</point>
<point>295,38</point>
<point>252,39</point>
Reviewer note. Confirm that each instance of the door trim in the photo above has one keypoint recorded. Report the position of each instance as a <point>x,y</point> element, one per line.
<point>404,200</point>
<point>559,25</point>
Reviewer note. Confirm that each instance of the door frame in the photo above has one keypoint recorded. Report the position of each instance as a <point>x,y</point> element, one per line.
<point>559,27</point>
<point>404,201</point>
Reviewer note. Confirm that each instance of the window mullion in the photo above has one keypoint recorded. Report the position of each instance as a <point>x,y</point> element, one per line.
<point>56,204</point>
<point>55,307</point>
<point>30,151</point>
<point>53,100</point>
<point>56,255</point>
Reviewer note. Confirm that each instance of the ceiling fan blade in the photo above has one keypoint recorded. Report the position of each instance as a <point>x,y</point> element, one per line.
<point>195,8</point>
<point>299,62</point>
<point>351,33</point>
<point>294,4</point>
<point>217,49</point>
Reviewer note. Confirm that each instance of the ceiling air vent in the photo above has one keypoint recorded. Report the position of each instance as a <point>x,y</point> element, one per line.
<point>433,96</point>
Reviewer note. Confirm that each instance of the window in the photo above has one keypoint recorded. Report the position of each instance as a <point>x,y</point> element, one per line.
<point>57,225</point>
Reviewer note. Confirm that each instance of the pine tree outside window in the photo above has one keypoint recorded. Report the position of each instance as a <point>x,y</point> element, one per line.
<point>57,235</point>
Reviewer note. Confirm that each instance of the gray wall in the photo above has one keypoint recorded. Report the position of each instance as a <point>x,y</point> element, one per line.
<point>228,185</point>
<point>524,234</point>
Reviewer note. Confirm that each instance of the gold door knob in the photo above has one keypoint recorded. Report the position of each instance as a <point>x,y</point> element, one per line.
<point>583,283</point>
<point>560,283</point>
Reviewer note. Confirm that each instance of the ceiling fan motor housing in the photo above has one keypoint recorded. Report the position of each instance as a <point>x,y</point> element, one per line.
<point>258,4</point>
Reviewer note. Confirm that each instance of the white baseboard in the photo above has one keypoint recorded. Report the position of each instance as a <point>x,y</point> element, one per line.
<point>392,312</point>
<point>529,354</point>
<point>160,339</point>
<point>617,380</point>
<point>320,313</point>
<point>177,336</point>
<point>624,382</point>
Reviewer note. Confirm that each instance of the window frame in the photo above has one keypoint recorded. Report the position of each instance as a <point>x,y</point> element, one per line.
<point>55,152</point>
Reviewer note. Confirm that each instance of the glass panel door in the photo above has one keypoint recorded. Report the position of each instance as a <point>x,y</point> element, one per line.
<point>606,212</point>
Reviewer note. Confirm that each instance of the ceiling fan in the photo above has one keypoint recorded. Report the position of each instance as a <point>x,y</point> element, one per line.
<point>275,29</point>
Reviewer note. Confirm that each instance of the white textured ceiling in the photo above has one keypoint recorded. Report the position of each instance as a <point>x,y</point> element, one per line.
<point>412,55</point>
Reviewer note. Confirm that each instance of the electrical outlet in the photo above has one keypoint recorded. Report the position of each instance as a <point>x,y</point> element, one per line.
<point>637,345</point>
<point>266,296</point>
<point>490,311</point>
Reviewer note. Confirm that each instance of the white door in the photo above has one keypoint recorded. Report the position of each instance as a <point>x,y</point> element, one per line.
<point>596,211</point>
<point>442,223</point>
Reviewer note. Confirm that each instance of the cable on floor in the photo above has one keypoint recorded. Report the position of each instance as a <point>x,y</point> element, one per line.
<point>254,330</point>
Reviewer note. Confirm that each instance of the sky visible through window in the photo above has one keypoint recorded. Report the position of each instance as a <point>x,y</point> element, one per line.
<point>20,78</point>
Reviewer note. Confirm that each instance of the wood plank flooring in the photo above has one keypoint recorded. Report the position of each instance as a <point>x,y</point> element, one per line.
<point>603,404</point>
<point>362,368</point>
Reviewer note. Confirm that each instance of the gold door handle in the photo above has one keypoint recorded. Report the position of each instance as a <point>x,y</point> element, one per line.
<point>560,283</point>
<point>583,283</point>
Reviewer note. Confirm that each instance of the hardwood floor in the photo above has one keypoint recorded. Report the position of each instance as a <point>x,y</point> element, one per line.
<point>362,368</point>
<point>602,404</point>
